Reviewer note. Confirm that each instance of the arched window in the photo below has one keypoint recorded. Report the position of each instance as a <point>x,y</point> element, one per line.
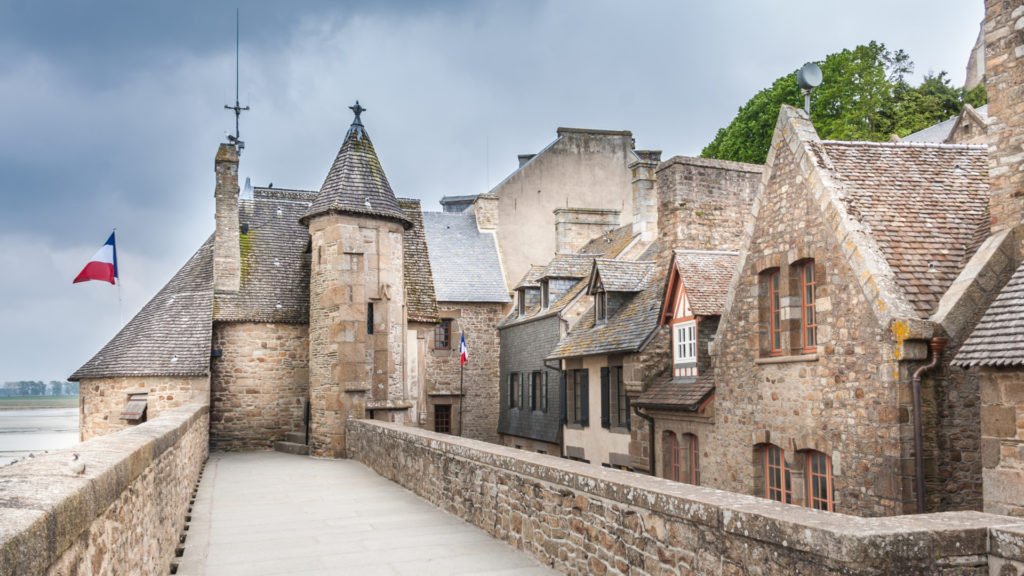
<point>774,473</point>
<point>690,455</point>
<point>670,461</point>
<point>819,481</point>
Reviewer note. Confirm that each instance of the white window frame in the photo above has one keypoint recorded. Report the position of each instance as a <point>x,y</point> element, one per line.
<point>684,342</point>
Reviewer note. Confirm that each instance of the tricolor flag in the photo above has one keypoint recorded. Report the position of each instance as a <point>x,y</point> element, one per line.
<point>463,351</point>
<point>103,265</point>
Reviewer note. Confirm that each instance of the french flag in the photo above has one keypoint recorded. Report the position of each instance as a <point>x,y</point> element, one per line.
<point>463,350</point>
<point>103,265</point>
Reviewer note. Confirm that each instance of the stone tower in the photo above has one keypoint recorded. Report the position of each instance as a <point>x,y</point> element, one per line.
<point>357,296</point>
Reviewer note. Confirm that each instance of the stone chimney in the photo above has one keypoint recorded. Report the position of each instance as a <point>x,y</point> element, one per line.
<point>574,227</point>
<point>486,209</point>
<point>226,250</point>
<point>645,195</point>
<point>1004,78</point>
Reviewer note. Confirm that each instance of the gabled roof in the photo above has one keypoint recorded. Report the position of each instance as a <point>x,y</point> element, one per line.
<point>570,265</point>
<point>705,276</point>
<point>625,331</point>
<point>619,275</point>
<point>421,303</point>
<point>532,278</point>
<point>356,183</point>
<point>274,283</point>
<point>676,393</point>
<point>171,335</point>
<point>925,206</point>
<point>998,339</point>
<point>940,133</point>
<point>464,260</point>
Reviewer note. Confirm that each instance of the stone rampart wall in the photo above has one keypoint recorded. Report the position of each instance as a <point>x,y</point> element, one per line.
<point>103,400</point>
<point>122,515</point>
<point>581,519</point>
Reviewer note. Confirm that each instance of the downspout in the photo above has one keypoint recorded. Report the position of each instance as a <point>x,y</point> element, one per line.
<point>650,441</point>
<point>937,345</point>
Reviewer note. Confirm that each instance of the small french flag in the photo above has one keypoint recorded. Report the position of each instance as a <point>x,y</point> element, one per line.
<point>463,351</point>
<point>103,265</point>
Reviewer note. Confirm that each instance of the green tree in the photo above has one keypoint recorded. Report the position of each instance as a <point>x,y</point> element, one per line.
<point>864,96</point>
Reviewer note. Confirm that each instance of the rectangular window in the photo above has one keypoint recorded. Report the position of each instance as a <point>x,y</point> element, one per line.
<point>521,301</point>
<point>691,454</point>
<point>685,343</point>
<point>622,400</point>
<point>578,397</point>
<point>443,335</point>
<point>513,389</point>
<point>808,324</point>
<point>544,392</point>
<point>601,307</point>
<point>369,317</point>
<point>819,481</point>
<point>443,418</point>
<point>776,476</point>
<point>774,313</point>
<point>536,392</point>
<point>544,294</point>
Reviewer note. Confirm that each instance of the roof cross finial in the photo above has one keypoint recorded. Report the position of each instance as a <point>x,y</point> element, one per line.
<point>357,110</point>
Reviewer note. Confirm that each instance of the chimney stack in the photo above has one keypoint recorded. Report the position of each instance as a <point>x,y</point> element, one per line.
<point>485,207</point>
<point>574,227</point>
<point>1004,77</point>
<point>226,250</point>
<point>645,195</point>
<point>524,158</point>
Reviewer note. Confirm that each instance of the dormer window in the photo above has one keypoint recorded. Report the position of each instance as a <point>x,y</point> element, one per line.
<point>544,295</point>
<point>521,302</point>
<point>601,307</point>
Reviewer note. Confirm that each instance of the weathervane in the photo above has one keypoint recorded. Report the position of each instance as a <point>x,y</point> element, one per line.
<point>236,139</point>
<point>357,110</point>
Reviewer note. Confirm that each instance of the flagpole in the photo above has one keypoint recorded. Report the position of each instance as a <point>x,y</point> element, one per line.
<point>462,396</point>
<point>117,281</point>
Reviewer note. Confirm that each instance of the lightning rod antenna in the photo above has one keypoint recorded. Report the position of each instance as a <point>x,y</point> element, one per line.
<point>237,108</point>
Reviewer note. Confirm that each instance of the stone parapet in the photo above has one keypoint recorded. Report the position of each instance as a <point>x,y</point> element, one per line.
<point>121,516</point>
<point>581,519</point>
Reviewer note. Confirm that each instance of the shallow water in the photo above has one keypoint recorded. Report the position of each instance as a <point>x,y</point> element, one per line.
<point>35,430</point>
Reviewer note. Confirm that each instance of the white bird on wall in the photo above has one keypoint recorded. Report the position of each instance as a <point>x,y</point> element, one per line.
<point>76,465</point>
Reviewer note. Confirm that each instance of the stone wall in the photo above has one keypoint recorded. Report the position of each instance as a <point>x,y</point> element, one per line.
<point>259,384</point>
<point>574,227</point>
<point>1002,428</point>
<point>582,519</point>
<point>480,380</point>
<point>102,400</point>
<point>123,515</point>
<point>1004,76</point>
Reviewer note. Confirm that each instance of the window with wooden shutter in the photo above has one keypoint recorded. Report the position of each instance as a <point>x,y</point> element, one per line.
<point>135,408</point>
<point>606,417</point>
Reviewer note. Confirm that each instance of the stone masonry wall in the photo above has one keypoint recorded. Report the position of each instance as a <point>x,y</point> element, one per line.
<point>1004,77</point>
<point>102,399</point>
<point>258,385</point>
<point>1002,426</point>
<point>583,519</point>
<point>481,406</point>
<point>123,515</point>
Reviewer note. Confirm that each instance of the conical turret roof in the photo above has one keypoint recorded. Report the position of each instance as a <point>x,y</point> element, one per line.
<point>356,183</point>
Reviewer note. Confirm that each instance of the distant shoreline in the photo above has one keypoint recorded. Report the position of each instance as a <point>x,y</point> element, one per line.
<point>29,402</point>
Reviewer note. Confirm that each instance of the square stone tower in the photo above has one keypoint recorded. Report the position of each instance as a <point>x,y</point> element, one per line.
<point>357,296</point>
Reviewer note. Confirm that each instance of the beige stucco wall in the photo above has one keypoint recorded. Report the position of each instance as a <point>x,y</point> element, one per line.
<point>581,169</point>
<point>598,443</point>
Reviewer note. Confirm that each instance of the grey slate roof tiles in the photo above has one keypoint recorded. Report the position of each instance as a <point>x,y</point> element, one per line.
<point>998,339</point>
<point>625,331</point>
<point>532,277</point>
<point>706,276</point>
<point>939,133</point>
<point>171,335</point>
<point>925,205</point>
<point>419,280</point>
<point>356,183</point>
<point>623,276</point>
<point>570,265</point>
<point>676,393</point>
<point>464,260</point>
<point>274,283</point>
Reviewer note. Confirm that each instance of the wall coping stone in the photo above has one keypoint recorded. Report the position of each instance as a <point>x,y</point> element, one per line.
<point>44,506</point>
<point>852,540</point>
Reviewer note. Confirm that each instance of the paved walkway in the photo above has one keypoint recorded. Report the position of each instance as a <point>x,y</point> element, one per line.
<point>264,513</point>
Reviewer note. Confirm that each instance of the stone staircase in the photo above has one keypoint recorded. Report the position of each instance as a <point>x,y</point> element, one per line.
<point>294,443</point>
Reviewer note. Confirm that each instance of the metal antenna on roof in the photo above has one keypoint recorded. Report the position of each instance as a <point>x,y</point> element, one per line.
<point>236,139</point>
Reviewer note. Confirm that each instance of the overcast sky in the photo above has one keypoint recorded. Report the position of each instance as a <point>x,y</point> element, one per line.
<point>111,112</point>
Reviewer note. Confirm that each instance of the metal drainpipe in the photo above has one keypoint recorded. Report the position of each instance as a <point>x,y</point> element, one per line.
<point>650,441</point>
<point>937,345</point>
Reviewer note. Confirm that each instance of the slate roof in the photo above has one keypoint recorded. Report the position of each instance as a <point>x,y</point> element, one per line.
<point>623,276</point>
<point>998,339</point>
<point>607,245</point>
<point>532,277</point>
<point>706,276</point>
<point>464,260</point>
<point>171,335</point>
<point>274,283</point>
<point>676,393</point>
<point>570,265</point>
<point>926,206</point>
<point>419,279</point>
<point>356,183</point>
<point>939,133</point>
<point>625,331</point>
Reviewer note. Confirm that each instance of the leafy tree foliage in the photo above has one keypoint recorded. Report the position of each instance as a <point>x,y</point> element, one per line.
<point>864,96</point>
